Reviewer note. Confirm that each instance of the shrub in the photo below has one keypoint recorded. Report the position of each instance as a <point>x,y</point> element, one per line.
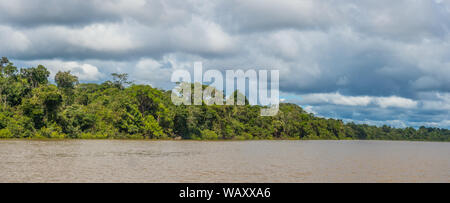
<point>5,133</point>
<point>209,135</point>
<point>247,136</point>
<point>52,132</point>
<point>93,136</point>
<point>20,127</point>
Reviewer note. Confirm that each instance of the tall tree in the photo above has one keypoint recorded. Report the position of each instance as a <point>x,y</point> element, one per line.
<point>120,80</point>
<point>35,76</point>
<point>65,80</point>
<point>67,83</point>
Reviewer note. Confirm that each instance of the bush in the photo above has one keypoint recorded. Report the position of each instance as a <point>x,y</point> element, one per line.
<point>93,136</point>
<point>152,129</point>
<point>5,133</point>
<point>3,120</point>
<point>209,135</point>
<point>247,136</point>
<point>135,136</point>
<point>52,132</point>
<point>311,137</point>
<point>20,127</point>
<point>244,136</point>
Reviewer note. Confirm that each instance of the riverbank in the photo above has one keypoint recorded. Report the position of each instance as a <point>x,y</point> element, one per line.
<point>211,140</point>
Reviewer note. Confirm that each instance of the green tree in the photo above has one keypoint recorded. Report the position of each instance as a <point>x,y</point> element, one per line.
<point>120,80</point>
<point>67,83</point>
<point>51,100</point>
<point>151,128</point>
<point>65,80</point>
<point>35,76</point>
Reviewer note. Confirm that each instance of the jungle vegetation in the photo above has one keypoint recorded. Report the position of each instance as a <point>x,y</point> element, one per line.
<point>32,107</point>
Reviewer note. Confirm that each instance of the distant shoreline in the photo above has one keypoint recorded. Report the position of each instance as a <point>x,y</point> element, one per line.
<point>205,140</point>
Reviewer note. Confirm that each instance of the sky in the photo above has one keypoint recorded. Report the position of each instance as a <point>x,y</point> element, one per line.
<point>367,61</point>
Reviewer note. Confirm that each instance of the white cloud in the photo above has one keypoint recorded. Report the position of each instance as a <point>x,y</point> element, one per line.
<point>309,109</point>
<point>15,41</point>
<point>437,101</point>
<point>339,99</point>
<point>201,36</point>
<point>158,72</point>
<point>336,98</point>
<point>394,101</point>
<point>84,71</point>
<point>149,71</point>
<point>124,39</point>
<point>101,37</point>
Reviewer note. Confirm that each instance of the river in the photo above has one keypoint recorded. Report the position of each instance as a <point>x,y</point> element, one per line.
<point>223,161</point>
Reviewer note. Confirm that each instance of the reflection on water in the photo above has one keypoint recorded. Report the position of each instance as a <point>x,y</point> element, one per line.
<point>247,161</point>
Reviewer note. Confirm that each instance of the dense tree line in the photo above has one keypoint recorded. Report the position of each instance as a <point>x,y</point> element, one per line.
<point>31,107</point>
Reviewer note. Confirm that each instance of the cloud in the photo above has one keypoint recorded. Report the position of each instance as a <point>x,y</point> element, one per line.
<point>430,108</point>
<point>17,41</point>
<point>121,41</point>
<point>339,99</point>
<point>264,15</point>
<point>310,109</point>
<point>36,13</point>
<point>149,71</point>
<point>394,101</point>
<point>85,72</point>
<point>45,12</point>
<point>336,98</point>
<point>403,123</point>
<point>400,20</point>
<point>437,101</point>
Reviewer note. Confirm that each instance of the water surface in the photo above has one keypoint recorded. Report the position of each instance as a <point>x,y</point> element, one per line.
<point>246,161</point>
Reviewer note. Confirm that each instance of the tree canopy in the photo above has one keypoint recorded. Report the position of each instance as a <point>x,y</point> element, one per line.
<point>31,107</point>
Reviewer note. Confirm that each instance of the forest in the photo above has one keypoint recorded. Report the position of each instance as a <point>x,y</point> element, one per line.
<point>32,107</point>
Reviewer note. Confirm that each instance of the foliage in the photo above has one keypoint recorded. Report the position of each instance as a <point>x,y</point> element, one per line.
<point>65,80</point>
<point>35,76</point>
<point>209,135</point>
<point>31,107</point>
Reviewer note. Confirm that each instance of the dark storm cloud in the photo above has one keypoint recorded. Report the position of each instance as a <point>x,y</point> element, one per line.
<point>265,15</point>
<point>26,13</point>
<point>395,53</point>
<point>52,12</point>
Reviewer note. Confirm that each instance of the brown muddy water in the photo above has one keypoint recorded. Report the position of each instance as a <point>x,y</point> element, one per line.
<point>234,161</point>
